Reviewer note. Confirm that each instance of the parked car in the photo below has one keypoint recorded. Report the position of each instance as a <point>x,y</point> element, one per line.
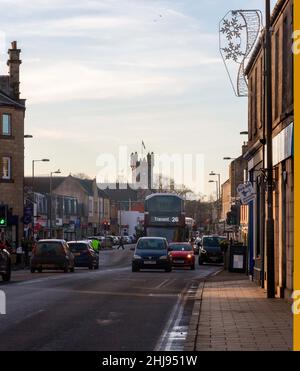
<point>52,254</point>
<point>210,251</point>
<point>182,254</point>
<point>151,253</point>
<point>5,265</point>
<point>84,254</point>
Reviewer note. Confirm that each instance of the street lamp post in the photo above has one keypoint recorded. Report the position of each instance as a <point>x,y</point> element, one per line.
<point>32,185</point>
<point>215,181</point>
<point>212,173</point>
<point>50,214</point>
<point>268,116</point>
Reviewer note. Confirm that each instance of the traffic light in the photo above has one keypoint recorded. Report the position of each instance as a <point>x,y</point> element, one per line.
<point>106,226</point>
<point>3,216</point>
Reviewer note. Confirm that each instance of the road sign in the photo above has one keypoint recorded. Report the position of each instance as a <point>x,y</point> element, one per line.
<point>246,192</point>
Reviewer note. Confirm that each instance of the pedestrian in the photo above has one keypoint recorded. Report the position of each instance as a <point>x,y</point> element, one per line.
<point>96,244</point>
<point>121,243</point>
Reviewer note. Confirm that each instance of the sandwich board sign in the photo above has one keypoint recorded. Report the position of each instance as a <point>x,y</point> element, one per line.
<point>246,192</point>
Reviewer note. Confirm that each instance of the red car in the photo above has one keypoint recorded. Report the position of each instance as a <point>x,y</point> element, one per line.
<point>182,254</point>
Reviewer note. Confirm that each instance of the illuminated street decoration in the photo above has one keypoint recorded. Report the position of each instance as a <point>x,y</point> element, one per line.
<point>239,32</point>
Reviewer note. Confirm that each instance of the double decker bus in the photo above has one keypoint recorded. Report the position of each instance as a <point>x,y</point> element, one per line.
<point>165,217</point>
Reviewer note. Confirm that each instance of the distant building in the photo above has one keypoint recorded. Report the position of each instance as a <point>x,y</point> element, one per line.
<point>12,114</point>
<point>79,209</point>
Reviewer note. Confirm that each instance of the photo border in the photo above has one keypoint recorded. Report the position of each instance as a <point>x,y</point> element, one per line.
<point>297,177</point>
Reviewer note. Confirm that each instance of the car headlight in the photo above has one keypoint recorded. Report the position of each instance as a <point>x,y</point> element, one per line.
<point>163,257</point>
<point>137,257</point>
<point>189,256</point>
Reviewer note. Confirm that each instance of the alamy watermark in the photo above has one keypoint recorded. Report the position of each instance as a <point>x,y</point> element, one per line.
<point>150,171</point>
<point>296,43</point>
<point>2,302</point>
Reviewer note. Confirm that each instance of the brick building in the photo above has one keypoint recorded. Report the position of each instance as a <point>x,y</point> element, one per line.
<point>12,113</point>
<point>283,162</point>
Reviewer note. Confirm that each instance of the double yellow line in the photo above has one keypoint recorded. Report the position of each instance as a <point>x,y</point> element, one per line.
<point>297,176</point>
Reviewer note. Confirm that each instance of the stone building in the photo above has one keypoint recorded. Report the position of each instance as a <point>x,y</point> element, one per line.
<point>78,210</point>
<point>12,114</point>
<point>283,160</point>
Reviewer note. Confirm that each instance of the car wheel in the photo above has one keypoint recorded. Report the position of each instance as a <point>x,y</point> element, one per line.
<point>96,267</point>
<point>66,269</point>
<point>90,267</point>
<point>40,270</point>
<point>32,270</point>
<point>135,269</point>
<point>168,270</point>
<point>193,267</point>
<point>6,276</point>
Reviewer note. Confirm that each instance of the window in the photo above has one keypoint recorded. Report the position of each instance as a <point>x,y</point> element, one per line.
<point>6,168</point>
<point>6,124</point>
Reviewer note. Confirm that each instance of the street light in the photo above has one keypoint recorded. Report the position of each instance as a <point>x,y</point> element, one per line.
<point>269,143</point>
<point>212,173</point>
<point>52,172</point>
<point>32,185</point>
<point>214,181</point>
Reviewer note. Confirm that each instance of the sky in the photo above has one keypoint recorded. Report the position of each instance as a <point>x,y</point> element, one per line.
<point>100,74</point>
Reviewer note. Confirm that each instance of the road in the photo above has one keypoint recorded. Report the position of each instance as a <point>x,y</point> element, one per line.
<point>109,309</point>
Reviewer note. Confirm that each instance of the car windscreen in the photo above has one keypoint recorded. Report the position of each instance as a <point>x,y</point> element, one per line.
<point>151,245</point>
<point>211,241</point>
<point>181,247</point>
<point>77,247</point>
<point>49,249</point>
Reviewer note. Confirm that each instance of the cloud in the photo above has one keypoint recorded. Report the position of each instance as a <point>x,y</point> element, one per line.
<point>70,81</point>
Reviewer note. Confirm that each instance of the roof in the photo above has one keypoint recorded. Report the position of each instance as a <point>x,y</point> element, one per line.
<point>42,184</point>
<point>276,11</point>
<point>87,184</point>
<point>163,194</point>
<point>122,194</point>
<point>6,100</point>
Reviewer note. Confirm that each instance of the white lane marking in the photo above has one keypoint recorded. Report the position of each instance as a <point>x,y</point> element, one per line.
<point>176,315</point>
<point>162,284</point>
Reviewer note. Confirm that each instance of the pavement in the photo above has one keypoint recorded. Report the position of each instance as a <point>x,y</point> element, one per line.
<point>231,313</point>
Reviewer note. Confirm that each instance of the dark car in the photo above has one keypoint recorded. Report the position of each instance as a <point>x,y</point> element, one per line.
<point>5,265</point>
<point>52,254</point>
<point>182,254</point>
<point>151,253</point>
<point>84,254</point>
<point>210,251</point>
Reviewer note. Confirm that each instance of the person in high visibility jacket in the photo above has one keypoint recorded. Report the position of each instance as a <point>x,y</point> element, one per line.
<point>96,244</point>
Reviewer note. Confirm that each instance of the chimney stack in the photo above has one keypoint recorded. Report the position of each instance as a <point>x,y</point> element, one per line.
<point>14,70</point>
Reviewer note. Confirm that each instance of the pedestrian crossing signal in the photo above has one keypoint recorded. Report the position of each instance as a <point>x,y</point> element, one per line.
<point>3,216</point>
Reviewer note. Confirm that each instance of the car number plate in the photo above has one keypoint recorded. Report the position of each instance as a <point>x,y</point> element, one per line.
<point>150,262</point>
<point>179,261</point>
